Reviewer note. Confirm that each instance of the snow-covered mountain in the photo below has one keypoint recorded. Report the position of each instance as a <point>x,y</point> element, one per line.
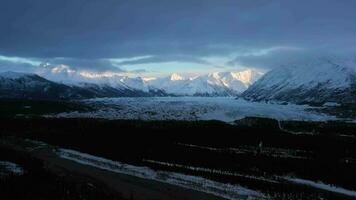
<point>121,84</point>
<point>213,84</point>
<point>21,85</point>
<point>317,80</point>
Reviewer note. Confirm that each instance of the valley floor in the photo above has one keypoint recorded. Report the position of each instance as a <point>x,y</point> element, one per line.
<point>226,109</point>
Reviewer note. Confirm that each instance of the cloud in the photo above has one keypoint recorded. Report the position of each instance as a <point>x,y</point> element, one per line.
<point>270,58</point>
<point>118,28</point>
<point>90,34</point>
<point>14,66</point>
<point>138,71</point>
<point>96,65</point>
<point>30,64</point>
<point>164,59</point>
<point>17,64</point>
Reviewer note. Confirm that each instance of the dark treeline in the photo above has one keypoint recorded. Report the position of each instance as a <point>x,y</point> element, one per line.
<point>324,156</point>
<point>35,108</point>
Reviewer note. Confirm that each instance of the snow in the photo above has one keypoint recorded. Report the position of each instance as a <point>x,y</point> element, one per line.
<point>218,83</point>
<point>7,168</point>
<point>227,191</point>
<point>247,77</point>
<point>331,104</point>
<point>193,108</point>
<point>13,75</point>
<point>176,77</point>
<point>10,80</point>
<point>309,73</point>
<point>136,83</point>
<point>322,186</point>
<point>323,74</point>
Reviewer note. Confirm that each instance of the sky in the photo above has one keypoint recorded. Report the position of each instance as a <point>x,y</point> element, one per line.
<point>158,37</point>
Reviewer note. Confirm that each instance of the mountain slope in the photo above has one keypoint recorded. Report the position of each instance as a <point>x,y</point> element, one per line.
<point>317,80</point>
<point>20,85</point>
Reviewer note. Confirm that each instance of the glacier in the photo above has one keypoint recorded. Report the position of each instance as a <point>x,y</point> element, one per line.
<point>225,109</point>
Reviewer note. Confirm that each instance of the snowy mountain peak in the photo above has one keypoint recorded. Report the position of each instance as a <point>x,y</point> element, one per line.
<point>58,73</point>
<point>176,77</point>
<point>247,77</point>
<point>212,84</point>
<point>62,69</point>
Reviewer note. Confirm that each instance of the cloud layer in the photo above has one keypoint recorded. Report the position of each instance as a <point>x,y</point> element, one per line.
<point>91,34</point>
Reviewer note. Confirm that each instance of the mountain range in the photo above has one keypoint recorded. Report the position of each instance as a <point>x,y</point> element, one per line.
<point>310,81</point>
<point>63,83</point>
<point>212,84</point>
<point>33,86</point>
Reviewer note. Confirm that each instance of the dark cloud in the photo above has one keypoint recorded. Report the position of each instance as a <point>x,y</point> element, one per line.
<point>91,30</point>
<point>278,57</point>
<point>271,58</point>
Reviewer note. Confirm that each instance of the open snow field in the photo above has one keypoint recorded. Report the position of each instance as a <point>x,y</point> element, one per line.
<point>225,109</point>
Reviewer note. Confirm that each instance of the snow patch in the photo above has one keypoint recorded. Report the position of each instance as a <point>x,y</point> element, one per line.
<point>9,168</point>
<point>227,191</point>
<point>322,186</point>
<point>13,75</point>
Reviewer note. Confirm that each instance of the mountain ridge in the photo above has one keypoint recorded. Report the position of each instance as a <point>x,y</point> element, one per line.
<point>33,86</point>
<point>211,84</point>
<point>318,80</point>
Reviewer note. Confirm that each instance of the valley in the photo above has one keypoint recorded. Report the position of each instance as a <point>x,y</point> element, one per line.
<point>178,100</point>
